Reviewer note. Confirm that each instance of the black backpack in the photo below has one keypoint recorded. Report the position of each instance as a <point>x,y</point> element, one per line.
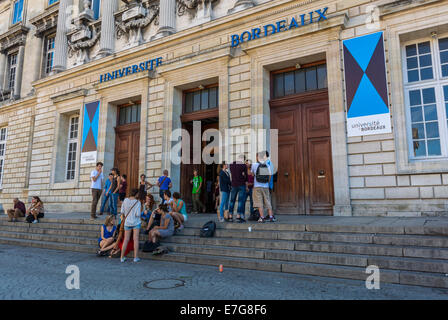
<point>150,246</point>
<point>255,215</point>
<point>208,230</point>
<point>262,175</point>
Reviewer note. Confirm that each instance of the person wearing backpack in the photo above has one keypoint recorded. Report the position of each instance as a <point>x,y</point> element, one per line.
<point>262,198</point>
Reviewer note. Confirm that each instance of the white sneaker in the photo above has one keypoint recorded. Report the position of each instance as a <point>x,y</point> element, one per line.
<point>123,259</point>
<point>35,221</point>
<point>221,220</point>
<point>136,259</point>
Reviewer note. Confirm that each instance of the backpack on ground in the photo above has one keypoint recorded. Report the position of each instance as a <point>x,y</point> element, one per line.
<point>254,215</point>
<point>262,174</point>
<point>29,218</point>
<point>208,230</point>
<point>150,246</point>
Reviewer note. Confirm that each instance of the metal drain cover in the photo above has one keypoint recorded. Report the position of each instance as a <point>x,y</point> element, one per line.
<point>164,284</point>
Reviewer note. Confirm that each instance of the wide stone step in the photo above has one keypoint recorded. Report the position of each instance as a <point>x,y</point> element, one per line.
<point>346,272</point>
<point>394,263</point>
<point>52,225</point>
<point>49,238</point>
<point>373,249</point>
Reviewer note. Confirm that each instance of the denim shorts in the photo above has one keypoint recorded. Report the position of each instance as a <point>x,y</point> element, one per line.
<point>133,227</point>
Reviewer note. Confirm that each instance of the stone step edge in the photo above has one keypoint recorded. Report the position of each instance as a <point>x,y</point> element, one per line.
<point>314,243</point>
<point>423,237</point>
<point>387,276</point>
<point>441,231</point>
<point>399,259</point>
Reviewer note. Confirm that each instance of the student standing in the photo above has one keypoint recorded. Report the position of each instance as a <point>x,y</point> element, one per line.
<point>107,198</point>
<point>132,209</point>
<point>97,178</point>
<point>196,192</point>
<point>144,186</point>
<point>114,190</point>
<point>164,184</point>
<point>225,187</point>
<point>262,198</point>
<point>238,169</point>
<point>250,186</point>
<point>123,187</point>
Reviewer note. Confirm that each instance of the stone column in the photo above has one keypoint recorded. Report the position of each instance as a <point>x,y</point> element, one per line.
<point>19,72</point>
<point>107,40</point>
<point>2,70</point>
<point>167,19</point>
<point>61,43</point>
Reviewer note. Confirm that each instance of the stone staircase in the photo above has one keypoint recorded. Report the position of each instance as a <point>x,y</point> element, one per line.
<point>405,255</point>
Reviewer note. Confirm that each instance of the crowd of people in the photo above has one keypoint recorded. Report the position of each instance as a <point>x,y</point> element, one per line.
<point>240,180</point>
<point>243,179</point>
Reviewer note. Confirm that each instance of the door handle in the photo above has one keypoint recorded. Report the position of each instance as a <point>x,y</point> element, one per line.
<point>286,174</point>
<point>321,174</point>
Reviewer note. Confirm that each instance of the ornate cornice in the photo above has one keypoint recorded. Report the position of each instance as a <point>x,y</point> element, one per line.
<point>191,6</point>
<point>15,36</point>
<point>47,21</point>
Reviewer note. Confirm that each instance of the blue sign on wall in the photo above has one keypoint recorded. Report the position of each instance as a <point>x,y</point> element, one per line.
<point>279,26</point>
<point>136,68</point>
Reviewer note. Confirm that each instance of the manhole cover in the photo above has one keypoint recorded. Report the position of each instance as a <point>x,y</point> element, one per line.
<point>164,284</point>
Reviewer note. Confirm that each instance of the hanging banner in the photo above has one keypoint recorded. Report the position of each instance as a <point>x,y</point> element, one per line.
<point>89,146</point>
<point>366,86</point>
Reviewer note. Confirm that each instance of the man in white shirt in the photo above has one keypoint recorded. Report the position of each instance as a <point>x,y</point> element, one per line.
<point>97,178</point>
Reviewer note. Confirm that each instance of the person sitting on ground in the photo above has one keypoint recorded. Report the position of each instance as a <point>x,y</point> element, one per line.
<point>168,200</point>
<point>179,212</point>
<point>154,220</point>
<point>147,208</point>
<point>166,228</point>
<point>35,211</point>
<point>106,238</point>
<point>18,211</point>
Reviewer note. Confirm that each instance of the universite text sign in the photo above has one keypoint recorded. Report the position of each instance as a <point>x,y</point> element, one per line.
<point>279,26</point>
<point>136,68</point>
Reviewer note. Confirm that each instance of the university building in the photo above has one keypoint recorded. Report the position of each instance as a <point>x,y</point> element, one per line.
<point>353,92</point>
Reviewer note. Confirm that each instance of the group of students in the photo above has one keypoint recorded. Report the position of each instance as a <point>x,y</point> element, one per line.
<point>161,223</point>
<point>246,179</point>
<point>34,212</point>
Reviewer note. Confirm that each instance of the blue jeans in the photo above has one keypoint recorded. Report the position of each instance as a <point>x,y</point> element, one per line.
<point>250,195</point>
<point>106,200</point>
<point>241,192</point>
<point>114,204</point>
<point>224,203</point>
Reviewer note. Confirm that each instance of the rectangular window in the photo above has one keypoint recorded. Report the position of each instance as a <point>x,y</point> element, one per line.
<point>203,99</point>
<point>18,11</point>
<point>426,90</point>
<point>72,146</point>
<point>129,114</point>
<point>12,69</point>
<point>49,54</point>
<point>3,136</point>
<point>299,81</point>
<point>96,8</point>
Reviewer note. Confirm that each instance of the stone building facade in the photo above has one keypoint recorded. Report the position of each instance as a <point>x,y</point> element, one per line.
<point>156,66</point>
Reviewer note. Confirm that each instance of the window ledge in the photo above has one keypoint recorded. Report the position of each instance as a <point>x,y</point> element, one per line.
<point>423,166</point>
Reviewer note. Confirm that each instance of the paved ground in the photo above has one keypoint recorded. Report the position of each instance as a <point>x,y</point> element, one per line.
<point>30,273</point>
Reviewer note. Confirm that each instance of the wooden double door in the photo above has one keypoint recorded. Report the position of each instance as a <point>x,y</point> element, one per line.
<point>305,173</point>
<point>127,149</point>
